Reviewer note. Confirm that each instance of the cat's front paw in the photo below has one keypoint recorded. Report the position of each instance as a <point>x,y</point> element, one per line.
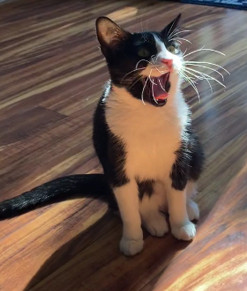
<point>184,232</point>
<point>131,247</point>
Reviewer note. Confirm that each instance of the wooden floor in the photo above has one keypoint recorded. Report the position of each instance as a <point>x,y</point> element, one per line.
<point>51,76</point>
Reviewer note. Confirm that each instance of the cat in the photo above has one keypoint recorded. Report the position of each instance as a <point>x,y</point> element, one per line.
<point>143,137</point>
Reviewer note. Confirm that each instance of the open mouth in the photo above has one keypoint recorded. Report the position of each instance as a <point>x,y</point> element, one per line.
<point>160,87</point>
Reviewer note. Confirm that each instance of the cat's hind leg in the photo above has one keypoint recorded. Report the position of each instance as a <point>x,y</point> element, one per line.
<point>152,201</point>
<point>192,207</point>
<point>128,202</point>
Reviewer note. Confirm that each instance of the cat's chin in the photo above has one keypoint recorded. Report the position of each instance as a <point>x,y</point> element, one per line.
<point>160,103</point>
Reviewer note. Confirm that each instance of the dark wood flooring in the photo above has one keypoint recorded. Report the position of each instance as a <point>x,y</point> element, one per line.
<point>51,76</point>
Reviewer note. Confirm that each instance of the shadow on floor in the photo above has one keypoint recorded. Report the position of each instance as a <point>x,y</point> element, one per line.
<point>92,261</point>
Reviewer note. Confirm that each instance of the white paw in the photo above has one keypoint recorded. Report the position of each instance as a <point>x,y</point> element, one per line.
<point>131,247</point>
<point>184,232</point>
<point>193,210</point>
<point>156,225</point>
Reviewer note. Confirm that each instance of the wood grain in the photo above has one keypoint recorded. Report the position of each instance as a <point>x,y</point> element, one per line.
<point>51,76</point>
<point>217,259</point>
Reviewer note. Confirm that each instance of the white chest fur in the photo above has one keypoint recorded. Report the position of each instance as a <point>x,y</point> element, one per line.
<point>151,134</point>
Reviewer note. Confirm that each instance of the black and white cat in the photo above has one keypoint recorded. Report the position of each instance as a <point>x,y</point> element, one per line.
<point>143,138</point>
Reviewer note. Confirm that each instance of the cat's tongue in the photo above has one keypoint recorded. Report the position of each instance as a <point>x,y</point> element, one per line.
<point>161,86</point>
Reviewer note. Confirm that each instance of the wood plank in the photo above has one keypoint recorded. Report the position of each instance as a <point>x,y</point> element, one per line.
<point>52,74</point>
<point>217,258</point>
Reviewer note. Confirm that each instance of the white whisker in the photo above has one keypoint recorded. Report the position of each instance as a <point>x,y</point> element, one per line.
<point>143,89</point>
<point>152,81</point>
<point>137,69</point>
<point>152,87</point>
<point>185,39</point>
<point>200,78</point>
<point>192,85</point>
<point>183,53</point>
<point>142,60</point>
<point>162,86</point>
<point>194,75</point>
<point>204,49</point>
<point>145,84</point>
<point>161,72</point>
<point>178,32</point>
<point>208,76</point>
<point>207,63</point>
<point>153,95</point>
<point>209,85</point>
<point>168,33</point>
<point>135,81</point>
<point>206,67</point>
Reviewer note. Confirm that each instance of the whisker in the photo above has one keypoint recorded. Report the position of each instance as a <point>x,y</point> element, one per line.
<point>136,80</point>
<point>185,39</point>
<point>154,60</point>
<point>143,89</point>
<point>177,39</point>
<point>171,34</point>
<point>207,63</point>
<point>183,53</point>
<point>161,72</point>
<point>178,32</point>
<point>152,81</point>
<point>201,78</point>
<point>188,78</point>
<point>192,85</point>
<point>152,87</point>
<point>208,76</point>
<point>206,67</point>
<point>168,33</point>
<point>162,86</point>
<point>142,60</point>
<point>209,85</point>
<point>137,69</point>
<point>153,57</point>
<point>204,49</point>
<point>153,95</point>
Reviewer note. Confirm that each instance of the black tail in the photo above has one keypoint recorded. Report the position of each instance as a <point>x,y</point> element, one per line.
<point>91,185</point>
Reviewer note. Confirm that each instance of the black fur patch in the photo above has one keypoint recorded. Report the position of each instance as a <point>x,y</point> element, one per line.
<point>189,162</point>
<point>117,157</point>
<point>124,59</point>
<point>109,148</point>
<point>197,159</point>
<point>145,187</point>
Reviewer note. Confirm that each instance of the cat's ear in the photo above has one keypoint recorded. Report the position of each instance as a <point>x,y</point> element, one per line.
<point>109,33</point>
<point>171,26</point>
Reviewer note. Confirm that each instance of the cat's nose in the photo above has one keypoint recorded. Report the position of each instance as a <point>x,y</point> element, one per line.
<point>168,63</point>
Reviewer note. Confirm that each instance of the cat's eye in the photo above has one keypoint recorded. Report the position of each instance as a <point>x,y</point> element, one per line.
<point>172,49</point>
<point>143,52</point>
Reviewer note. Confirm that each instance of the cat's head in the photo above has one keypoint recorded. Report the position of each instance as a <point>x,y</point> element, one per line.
<point>147,64</point>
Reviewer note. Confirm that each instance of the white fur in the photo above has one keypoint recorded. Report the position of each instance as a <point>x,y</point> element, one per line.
<point>150,208</point>
<point>192,207</point>
<point>163,53</point>
<point>128,202</point>
<point>151,136</point>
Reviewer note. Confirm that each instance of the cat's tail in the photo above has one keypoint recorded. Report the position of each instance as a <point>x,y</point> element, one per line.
<point>91,185</point>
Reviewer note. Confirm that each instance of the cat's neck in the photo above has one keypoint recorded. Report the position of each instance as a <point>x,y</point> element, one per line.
<point>121,97</point>
<point>122,108</point>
